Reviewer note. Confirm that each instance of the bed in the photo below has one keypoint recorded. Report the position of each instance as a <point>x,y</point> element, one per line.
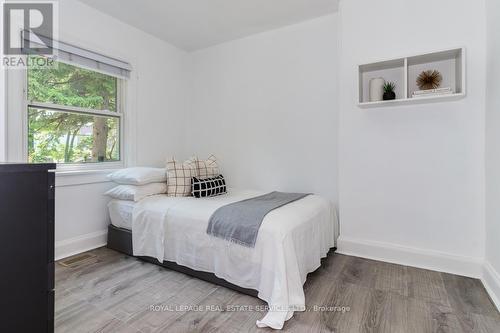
<point>172,231</point>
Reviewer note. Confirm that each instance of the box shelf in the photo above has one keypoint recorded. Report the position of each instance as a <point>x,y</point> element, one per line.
<point>404,72</point>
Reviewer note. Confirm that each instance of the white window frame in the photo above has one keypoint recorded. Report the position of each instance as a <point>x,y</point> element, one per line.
<point>120,107</point>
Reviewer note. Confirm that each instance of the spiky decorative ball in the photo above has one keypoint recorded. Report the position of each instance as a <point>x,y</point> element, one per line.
<point>430,79</point>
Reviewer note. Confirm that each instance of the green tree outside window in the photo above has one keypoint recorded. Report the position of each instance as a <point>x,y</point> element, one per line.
<point>56,134</point>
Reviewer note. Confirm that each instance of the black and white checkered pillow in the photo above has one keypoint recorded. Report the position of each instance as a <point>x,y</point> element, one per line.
<point>208,187</point>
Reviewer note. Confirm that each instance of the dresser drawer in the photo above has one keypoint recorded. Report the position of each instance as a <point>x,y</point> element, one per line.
<point>50,312</point>
<point>50,216</point>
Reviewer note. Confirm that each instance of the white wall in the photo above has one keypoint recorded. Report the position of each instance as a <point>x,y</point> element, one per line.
<point>411,178</point>
<point>155,105</point>
<point>492,265</point>
<point>267,107</point>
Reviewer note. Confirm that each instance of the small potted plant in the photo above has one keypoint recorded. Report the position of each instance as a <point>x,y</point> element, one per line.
<point>389,93</point>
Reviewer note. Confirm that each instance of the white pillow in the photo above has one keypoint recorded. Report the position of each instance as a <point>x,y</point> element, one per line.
<point>136,193</point>
<point>138,176</point>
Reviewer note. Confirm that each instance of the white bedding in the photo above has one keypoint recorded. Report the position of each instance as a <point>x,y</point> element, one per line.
<point>120,213</point>
<point>290,244</point>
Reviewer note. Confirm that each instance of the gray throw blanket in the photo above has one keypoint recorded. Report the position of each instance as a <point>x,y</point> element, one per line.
<point>240,221</point>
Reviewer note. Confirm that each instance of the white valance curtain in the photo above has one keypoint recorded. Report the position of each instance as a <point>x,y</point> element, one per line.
<point>78,56</point>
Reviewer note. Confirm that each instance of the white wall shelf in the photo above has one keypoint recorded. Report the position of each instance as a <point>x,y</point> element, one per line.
<point>404,72</point>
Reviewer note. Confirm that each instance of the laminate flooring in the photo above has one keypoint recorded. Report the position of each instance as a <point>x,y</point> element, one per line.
<point>117,293</point>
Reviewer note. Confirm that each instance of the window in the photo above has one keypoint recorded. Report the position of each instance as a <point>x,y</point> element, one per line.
<point>74,115</point>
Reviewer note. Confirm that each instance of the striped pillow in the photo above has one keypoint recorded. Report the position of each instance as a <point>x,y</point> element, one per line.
<point>208,187</point>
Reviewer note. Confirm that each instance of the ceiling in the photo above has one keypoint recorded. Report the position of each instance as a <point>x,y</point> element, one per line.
<point>195,24</point>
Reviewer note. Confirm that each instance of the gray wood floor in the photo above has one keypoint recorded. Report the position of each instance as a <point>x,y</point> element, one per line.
<point>114,293</point>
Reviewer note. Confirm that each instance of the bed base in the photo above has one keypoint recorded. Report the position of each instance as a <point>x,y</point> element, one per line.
<point>120,240</point>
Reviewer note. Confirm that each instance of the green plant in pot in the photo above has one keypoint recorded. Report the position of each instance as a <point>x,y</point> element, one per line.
<point>389,93</point>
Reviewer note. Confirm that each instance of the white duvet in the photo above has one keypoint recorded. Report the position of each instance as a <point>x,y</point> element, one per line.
<point>291,241</point>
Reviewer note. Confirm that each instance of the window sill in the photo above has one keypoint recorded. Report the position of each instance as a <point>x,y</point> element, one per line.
<point>68,177</point>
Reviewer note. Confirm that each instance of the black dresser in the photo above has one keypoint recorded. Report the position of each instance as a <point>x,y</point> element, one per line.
<point>27,248</point>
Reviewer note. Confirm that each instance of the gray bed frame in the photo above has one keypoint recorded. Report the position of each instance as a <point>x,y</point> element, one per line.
<point>120,240</point>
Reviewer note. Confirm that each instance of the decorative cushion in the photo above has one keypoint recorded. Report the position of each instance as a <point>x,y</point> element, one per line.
<point>206,168</point>
<point>136,193</point>
<point>208,187</point>
<point>138,176</point>
<point>179,175</point>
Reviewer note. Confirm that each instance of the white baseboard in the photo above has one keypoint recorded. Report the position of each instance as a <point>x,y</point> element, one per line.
<point>398,254</point>
<point>491,282</point>
<point>72,246</point>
